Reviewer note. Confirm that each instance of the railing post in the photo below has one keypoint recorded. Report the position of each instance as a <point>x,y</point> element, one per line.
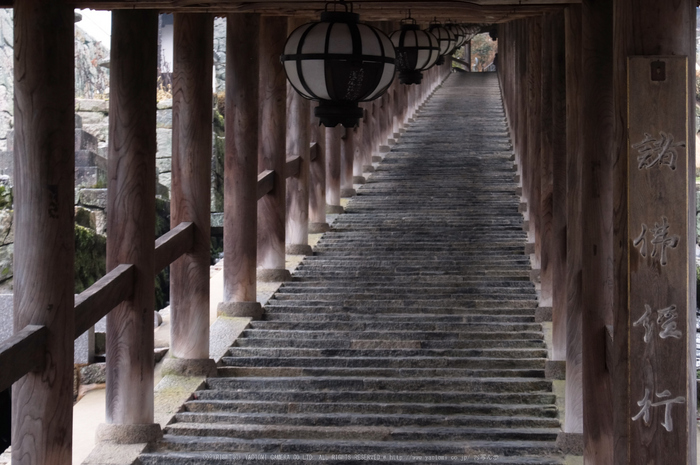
<point>347,154</point>
<point>297,224</point>
<point>333,149</point>
<point>42,401</point>
<point>131,223</point>
<point>317,176</point>
<point>190,191</point>
<point>241,167</point>
<point>272,150</point>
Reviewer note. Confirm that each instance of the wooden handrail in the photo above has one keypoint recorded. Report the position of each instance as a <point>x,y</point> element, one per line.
<point>21,354</point>
<point>173,244</point>
<point>266,182</point>
<point>313,151</point>
<point>99,299</point>
<point>292,166</point>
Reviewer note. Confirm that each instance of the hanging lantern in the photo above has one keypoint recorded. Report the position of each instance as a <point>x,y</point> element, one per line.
<point>339,62</point>
<point>446,40</point>
<point>458,31</point>
<point>416,51</point>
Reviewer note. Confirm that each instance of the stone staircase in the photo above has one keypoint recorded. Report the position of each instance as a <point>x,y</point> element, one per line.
<point>409,336</point>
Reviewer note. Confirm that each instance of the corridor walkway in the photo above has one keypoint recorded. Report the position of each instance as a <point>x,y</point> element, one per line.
<point>409,336</point>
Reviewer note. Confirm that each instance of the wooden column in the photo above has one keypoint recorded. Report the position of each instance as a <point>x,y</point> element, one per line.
<point>333,149</point>
<point>347,154</point>
<point>131,223</point>
<point>241,167</point>
<point>532,183</point>
<point>468,53</point>
<point>190,192</point>
<point>366,153</point>
<point>272,150</point>
<point>317,176</point>
<point>596,207</point>
<point>558,146</point>
<point>522,147</point>
<point>42,401</point>
<point>357,173</point>
<point>573,425</point>
<point>544,177</point>
<point>653,232</point>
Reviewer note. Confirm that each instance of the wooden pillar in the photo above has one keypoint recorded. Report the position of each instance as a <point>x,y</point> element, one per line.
<point>241,167</point>
<point>573,425</point>
<point>42,401</point>
<point>468,54</point>
<point>521,152</point>
<point>366,153</point>
<point>358,153</point>
<point>596,207</point>
<point>298,108</point>
<point>131,195</point>
<point>532,183</point>
<point>333,149</point>
<point>317,176</point>
<point>190,192</point>
<point>652,198</point>
<point>544,177</point>
<point>347,154</point>
<point>558,147</point>
<point>272,150</point>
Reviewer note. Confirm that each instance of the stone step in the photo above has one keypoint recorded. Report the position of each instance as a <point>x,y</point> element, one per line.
<point>378,384</point>
<point>508,331</point>
<point>367,344</point>
<point>345,315</point>
<point>250,406</point>
<point>367,419</point>
<point>358,350</point>
<point>399,373</point>
<point>362,433</point>
<point>423,306</point>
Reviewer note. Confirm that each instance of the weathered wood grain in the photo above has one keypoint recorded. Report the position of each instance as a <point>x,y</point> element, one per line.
<point>647,108</point>
<point>531,183</point>
<point>297,142</point>
<point>191,185</point>
<point>333,143</point>
<point>317,170</point>
<point>347,159</point>
<point>98,300</point>
<point>266,182</point>
<point>174,244</point>
<point>42,401</point>
<point>131,213</point>
<point>292,166</point>
<point>271,142</point>
<point>558,237</point>
<point>22,353</point>
<point>573,422</point>
<point>242,186</point>
<point>546,158</point>
<point>596,206</point>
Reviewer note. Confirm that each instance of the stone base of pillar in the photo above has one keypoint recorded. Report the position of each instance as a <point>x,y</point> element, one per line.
<point>334,209</point>
<point>377,158</point>
<point>317,228</point>
<point>391,142</point>
<point>189,367</point>
<point>240,309</point>
<point>514,168</point>
<point>517,179</point>
<point>526,225</point>
<point>518,191</point>
<point>347,192</point>
<point>358,180</point>
<point>270,275</point>
<point>368,169</point>
<point>512,157</point>
<point>570,443</point>
<point>397,135</point>
<point>384,149</point>
<point>555,369</point>
<point>299,249</point>
<point>402,131</point>
<point>411,120</point>
<point>543,314</point>
<point>522,207</point>
<point>529,248</point>
<point>128,434</point>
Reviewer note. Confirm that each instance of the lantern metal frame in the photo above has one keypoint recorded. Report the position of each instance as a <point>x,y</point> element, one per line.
<point>446,40</point>
<point>335,108</point>
<point>413,73</point>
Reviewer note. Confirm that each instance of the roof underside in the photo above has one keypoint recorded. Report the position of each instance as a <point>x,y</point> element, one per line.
<point>471,11</point>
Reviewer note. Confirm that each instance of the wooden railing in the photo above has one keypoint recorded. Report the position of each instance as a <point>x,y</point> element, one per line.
<point>21,353</point>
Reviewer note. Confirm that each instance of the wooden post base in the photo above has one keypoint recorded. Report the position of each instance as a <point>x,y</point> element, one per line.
<point>358,180</point>
<point>189,367</point>
<point>555,369</point>
<point>317,228</point>
<point>347,192</point>
<point>273,275</point>
<point>570,443</point>
<point>299,249</point>
<point>128,434</point>
<point>334,209</point>
<point>543,314</point>
<point>368,169</point>
<point>240,309</point>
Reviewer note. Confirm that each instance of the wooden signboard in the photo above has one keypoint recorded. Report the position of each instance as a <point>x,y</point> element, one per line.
<point>657,198</point>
